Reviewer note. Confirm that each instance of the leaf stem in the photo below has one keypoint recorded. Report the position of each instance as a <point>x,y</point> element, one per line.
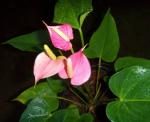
<point>77,95</point>
<point>98,85</point>
<point>80,89</point>
<point>98,74</point>
<point>97,93</point>
<point>60,52</point>
<point>81,36</point>
<point>72,50</point>
<point>66,99</point>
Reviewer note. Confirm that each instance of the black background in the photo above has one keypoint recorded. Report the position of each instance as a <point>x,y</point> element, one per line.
<point>22,16</point>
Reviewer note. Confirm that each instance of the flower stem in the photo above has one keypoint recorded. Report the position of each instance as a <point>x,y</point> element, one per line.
<point>81,36</point>
<point>98,74</point>
<point>66,99</point>
<point>98,85</point>
<point>60,52</point>
<point>97,93</point>
<point>80,89</point>
<point>72,51</point>
<point>77,95</point>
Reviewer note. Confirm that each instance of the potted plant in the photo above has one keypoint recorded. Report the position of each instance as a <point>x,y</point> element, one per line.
<point>76,80</point>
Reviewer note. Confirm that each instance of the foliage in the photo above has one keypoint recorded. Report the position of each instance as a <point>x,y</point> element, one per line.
<point>78,10</point>
<point>56,100</point>
<point>104,43</point>
<point>125,62</point>
<point>30,42</point>
<point>132,87</point>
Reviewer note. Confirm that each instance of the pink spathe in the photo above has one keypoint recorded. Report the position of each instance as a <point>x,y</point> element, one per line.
<point>45,67</point>
<point>81,69</point>
<point>61,36</point>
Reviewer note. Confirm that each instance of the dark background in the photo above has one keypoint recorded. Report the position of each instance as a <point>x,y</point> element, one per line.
<point>23,16</point>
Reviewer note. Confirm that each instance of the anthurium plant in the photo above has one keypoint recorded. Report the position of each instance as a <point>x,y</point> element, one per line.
<point>72,81</point>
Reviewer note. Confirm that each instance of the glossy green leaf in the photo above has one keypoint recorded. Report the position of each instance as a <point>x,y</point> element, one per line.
<point>132,87</point>
<point>32,92</point>
<point>70,114</point>
<point>55,85</point>
<point>51,87</point>
<point>104,43</point>
<point>30,42</point>
<point>70,11</point>
<point>39,109</point>
<point>125,62</point>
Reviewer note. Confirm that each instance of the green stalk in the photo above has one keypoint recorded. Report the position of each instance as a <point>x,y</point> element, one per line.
<point>77,95</point>
<point>98,74</point>
<point>72,51</point>
<point>60,52</point>
<point>66,99</point>
<point>97,93</point>
<point>98,86</point>
<point>80,89</point>
<point>81,36</point>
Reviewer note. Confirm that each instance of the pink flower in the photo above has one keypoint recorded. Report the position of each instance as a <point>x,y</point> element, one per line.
<point>45,67</point>
<point>61,36</point>
<point>77,68</point>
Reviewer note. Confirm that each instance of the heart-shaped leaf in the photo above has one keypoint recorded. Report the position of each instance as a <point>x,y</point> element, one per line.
<point>55,85</point>
<point>125,62</point>
<point>39,109</point>
<point>132,87</point>
<point>30,42</point>
<point>104,43</point>
<point>86,118</point>
<point>50,88</point>
<point>33,92</point>
<point>70,11</point>
<point>70,114</point>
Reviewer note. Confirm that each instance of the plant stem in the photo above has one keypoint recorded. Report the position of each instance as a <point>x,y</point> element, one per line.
<point>80,89</point>
<point>98,74</point>
<point>60,52</point>
<point>97,93</point>
<point>77,95</point>
<point>66,99</point>
<point>81,36</point>
<point>72,51</point>
<point>98,85</point>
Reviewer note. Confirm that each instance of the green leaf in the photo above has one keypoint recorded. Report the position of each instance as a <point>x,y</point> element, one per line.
<point>39,109</point>
<point>70,11</point>
<point>104,43</point>
<point>86,118</point>
<point>32,92</point>
<point>55,85</point>
<point>30,42</point>
<point>70,114</point>
<point>125,62</point>
<point>132,87</point>
<point>83,16</point>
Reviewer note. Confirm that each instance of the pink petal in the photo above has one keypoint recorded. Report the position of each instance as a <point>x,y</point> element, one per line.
<point>63,74</point>
<point>81,68</point>
<point>45,67</point>
<point>67,30</point>
<point>57,40</point>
